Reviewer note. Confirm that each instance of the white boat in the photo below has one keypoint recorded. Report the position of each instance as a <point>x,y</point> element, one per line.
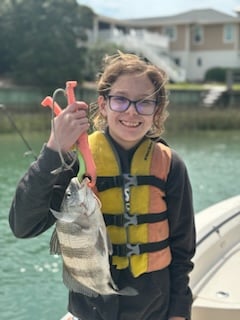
<point>215,280</point>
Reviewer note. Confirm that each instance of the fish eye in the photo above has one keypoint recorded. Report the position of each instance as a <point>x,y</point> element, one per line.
<point>68,194</point>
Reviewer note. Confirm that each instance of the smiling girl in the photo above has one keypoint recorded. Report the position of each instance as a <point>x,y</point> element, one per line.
<point>143,186</point>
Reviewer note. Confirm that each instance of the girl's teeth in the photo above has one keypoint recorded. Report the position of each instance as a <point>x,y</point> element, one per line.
<point>130,124</point>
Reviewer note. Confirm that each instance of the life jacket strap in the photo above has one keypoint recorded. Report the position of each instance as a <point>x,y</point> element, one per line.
<point>127,219</point>
<point>128,249</point>
<point>108,182</point>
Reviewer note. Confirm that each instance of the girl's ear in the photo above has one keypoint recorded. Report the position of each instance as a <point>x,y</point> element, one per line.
<point>102,104</point>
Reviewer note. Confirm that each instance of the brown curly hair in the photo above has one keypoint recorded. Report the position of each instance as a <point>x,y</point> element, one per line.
<point>128,63</point>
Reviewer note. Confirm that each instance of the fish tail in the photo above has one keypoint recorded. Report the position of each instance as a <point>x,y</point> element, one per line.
<point>128,291</point>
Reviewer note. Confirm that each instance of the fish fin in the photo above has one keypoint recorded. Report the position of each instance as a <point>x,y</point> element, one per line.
<point>100,244</point>
<point>75,286</point>
<point>109,244</point>
<point>63,216</point>
<point>55,244</point>
<point>56,214</point>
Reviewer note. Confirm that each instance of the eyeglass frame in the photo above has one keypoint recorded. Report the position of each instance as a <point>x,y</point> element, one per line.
<point>130,102</point>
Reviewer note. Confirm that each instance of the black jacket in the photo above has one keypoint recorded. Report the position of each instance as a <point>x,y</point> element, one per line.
<point>40,189</point>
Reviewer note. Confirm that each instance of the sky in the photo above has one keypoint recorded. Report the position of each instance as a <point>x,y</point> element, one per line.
<point>128,9</point>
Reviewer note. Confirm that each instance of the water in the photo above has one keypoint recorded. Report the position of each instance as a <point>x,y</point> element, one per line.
<point>30,279</point>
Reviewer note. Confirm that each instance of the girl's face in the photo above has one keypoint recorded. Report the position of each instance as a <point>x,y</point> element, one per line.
<point>128,128</point>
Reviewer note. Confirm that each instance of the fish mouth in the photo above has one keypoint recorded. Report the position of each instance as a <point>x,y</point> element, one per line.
<point>130,124</point>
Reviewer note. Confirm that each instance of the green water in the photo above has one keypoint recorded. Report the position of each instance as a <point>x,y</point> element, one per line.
<point>30,279</point>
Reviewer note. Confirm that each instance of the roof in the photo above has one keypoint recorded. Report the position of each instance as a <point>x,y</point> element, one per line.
<point>201,16</point>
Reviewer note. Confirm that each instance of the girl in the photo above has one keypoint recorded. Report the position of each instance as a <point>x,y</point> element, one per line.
<point>143,186</point>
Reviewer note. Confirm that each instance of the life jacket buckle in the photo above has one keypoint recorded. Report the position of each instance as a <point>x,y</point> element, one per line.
<point>130,219</point>
<point>129,180</point>
<point>132,249</point>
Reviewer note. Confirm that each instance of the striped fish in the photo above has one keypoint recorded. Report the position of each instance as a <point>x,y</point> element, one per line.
<point>81,238</point>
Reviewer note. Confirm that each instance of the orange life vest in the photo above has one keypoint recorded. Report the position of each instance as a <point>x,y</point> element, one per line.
<point>133,204</point>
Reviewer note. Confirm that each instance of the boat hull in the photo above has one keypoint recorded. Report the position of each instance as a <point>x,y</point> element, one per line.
<point>215,280</point>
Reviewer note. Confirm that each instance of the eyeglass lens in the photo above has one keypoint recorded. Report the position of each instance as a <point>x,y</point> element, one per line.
<point>121,104</point>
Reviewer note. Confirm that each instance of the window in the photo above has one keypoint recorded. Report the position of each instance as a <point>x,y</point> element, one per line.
<point>228,33</point>
<point>197,34</point>
<point>177,61</point>
<point>171,32</point>
<point>199,62</point>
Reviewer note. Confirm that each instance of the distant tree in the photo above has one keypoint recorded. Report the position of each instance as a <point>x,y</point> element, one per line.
<point>94,57</point>
<point>5,31</point>
<point>40,40</point>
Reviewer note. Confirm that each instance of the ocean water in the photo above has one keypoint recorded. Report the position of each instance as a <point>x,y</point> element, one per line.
<point>31,285</point>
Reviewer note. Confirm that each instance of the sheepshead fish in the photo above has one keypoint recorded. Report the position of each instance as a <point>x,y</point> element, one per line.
<point>81,238</point>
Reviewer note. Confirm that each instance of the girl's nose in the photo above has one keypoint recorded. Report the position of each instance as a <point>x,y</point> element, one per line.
<point>132,109</point>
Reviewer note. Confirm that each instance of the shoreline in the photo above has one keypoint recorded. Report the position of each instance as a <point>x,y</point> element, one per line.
<point>188,119</point>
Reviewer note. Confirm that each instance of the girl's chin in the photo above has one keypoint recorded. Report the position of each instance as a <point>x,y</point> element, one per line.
<point>127,140</point>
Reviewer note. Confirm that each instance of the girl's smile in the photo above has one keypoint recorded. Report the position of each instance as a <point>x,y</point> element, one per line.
<point>130,124</point>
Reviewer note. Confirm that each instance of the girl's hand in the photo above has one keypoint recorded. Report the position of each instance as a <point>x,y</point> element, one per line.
<point>68,126</point>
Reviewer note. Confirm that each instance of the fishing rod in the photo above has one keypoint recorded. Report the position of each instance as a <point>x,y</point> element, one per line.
<point>30,150</point>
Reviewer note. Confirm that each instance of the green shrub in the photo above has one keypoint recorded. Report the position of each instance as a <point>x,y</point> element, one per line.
<point>215,74</point>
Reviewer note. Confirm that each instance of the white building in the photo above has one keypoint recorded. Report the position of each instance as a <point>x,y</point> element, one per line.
<point>186,45</point>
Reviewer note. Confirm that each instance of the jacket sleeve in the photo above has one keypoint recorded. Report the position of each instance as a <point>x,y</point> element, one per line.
<point>39,190</point>
<point>182,237</point>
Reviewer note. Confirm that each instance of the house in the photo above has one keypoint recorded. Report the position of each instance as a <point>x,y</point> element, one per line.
<point>188,43</point>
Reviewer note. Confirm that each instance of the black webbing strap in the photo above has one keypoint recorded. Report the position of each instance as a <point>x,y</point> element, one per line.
<point>126,219</point>
<point>127,250</point>
<point>104,183</point>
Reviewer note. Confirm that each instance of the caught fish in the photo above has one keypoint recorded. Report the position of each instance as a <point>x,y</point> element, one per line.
<point>81,238</point>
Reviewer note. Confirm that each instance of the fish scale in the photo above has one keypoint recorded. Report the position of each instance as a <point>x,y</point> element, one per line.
<point>81,238</point>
